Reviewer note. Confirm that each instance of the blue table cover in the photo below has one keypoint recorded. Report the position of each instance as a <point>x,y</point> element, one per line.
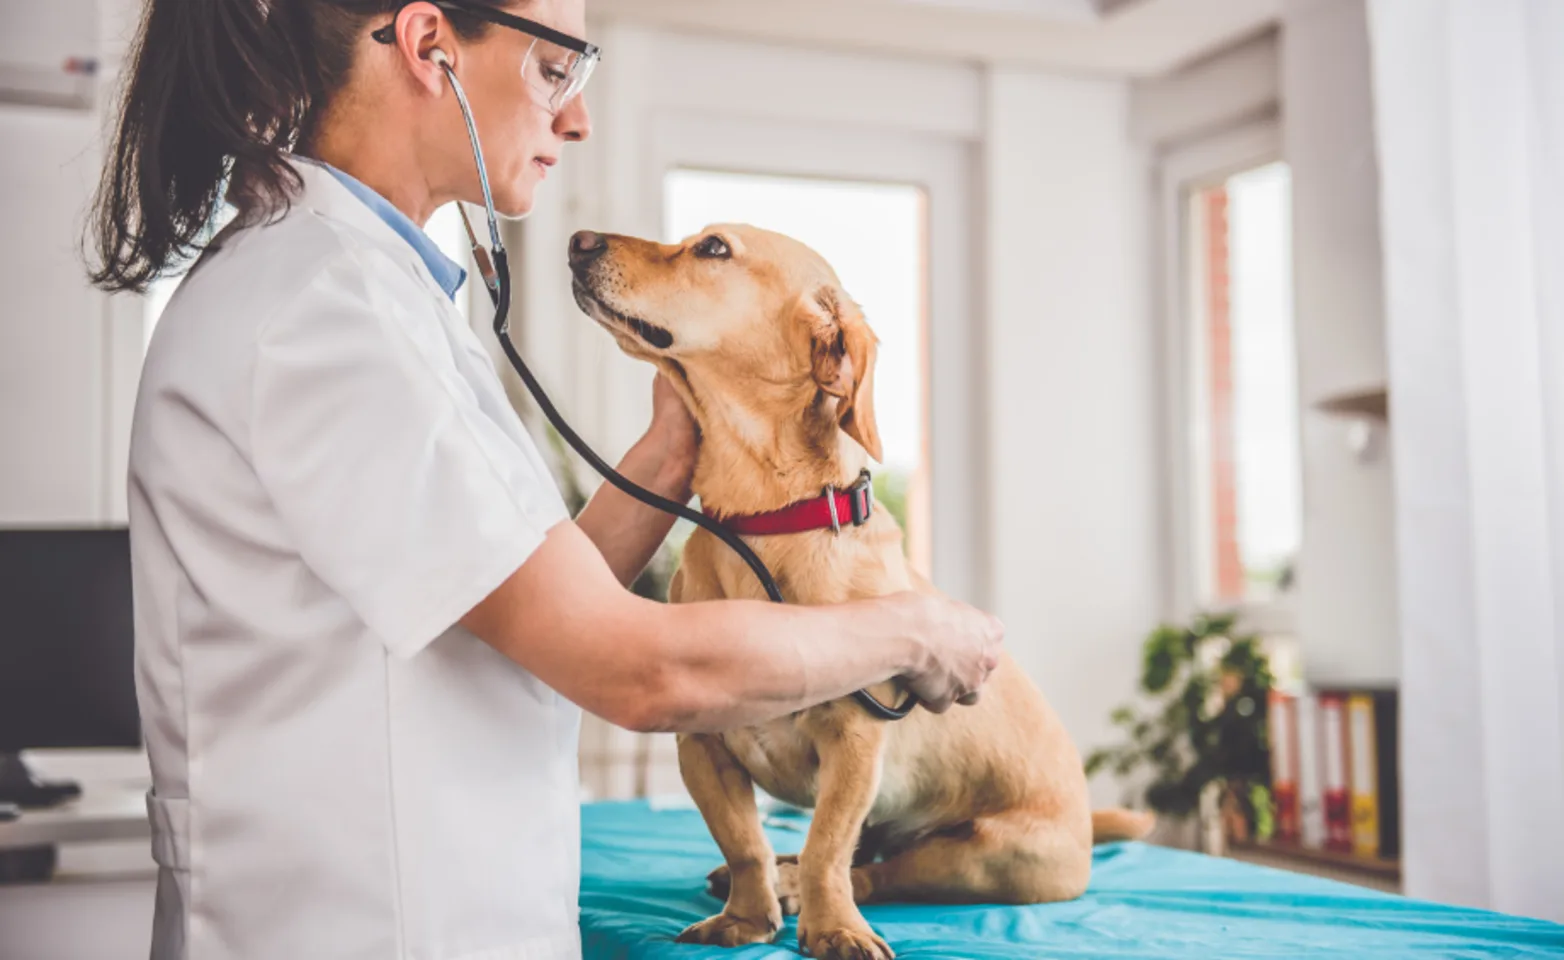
<point>643,880</point>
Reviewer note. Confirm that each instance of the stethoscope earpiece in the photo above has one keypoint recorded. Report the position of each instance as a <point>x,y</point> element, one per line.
<point>438,57</point>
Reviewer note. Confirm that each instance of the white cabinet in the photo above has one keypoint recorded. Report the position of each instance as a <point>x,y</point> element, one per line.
<point>50,53</point>
<point>69,355</point>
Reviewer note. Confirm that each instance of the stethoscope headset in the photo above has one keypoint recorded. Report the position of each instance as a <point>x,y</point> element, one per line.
<point>494,266</point>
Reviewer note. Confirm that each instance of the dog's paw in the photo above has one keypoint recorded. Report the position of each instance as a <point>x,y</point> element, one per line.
<point>854,941</point>
<point>719,882</point>
<point>727,930</point>
<point>787,885</point>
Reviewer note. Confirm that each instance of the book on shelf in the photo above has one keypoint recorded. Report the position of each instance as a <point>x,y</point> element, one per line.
<point>1386,731</point>
<point>1311,797</point>
<point>1335,771</point>
<point>1333,761</point>
<point>1363,775</point>
<point>1282,727</point>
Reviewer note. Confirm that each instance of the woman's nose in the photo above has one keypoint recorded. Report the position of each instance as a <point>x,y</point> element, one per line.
<point>587,246</point>
<point>573,123</point>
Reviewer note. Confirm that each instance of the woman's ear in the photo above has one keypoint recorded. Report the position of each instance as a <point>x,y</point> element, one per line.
<point>420,34</point>
<point>843,351</point>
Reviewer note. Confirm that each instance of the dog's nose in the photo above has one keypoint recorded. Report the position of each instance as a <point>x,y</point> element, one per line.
<point>587,246</point>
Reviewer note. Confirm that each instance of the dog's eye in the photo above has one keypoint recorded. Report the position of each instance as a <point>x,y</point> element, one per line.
<point>713,248</point>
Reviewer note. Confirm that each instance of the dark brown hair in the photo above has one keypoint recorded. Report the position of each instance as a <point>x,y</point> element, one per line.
<point>216,94</point>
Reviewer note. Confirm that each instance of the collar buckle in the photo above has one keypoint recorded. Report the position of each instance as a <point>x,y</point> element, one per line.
<point>830,503</point>
<point>860,503</point>
<point>862,499</point>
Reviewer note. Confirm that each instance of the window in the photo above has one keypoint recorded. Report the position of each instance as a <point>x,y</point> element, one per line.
<point>874,235</point>
<point>1243,415</point>
<point>446,230</point>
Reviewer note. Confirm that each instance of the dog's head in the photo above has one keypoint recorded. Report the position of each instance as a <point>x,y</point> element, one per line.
<point>752,327</point>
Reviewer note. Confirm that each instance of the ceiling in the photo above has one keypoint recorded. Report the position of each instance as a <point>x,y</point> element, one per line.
<point>1136,38</point>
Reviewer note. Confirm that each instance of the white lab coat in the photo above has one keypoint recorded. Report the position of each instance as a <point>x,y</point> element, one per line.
<point>325,476</point>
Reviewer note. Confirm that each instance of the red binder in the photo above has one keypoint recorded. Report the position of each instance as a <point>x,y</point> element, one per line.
<point>1333,743</point>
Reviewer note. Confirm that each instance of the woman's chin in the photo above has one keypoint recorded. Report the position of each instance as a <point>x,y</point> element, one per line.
<point>515,199</point>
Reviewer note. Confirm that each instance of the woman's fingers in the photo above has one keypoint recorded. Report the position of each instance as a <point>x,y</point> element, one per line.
<point>964,645</point>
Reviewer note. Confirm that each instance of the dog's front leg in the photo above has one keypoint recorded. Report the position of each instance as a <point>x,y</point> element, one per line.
<point>725,795</point>
<point>829,925</point>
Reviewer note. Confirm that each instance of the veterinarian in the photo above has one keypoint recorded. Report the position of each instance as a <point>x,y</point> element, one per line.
<point>365,623</point>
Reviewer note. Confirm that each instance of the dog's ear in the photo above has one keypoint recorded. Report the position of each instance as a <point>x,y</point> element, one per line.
<point>842,353</point>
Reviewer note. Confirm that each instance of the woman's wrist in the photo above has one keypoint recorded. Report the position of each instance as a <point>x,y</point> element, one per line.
<point>902,616</point>
<point>671,463</point>
<point>660,467</point>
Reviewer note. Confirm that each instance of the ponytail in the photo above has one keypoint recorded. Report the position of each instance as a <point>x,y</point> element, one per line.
<point>218,94</point>
<point>216,91</point>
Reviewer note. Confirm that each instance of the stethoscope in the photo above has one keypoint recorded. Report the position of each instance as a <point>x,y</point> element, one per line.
<point>494,267</point>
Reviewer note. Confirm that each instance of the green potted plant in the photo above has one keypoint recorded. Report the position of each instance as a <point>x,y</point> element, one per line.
<point>1202,727</point>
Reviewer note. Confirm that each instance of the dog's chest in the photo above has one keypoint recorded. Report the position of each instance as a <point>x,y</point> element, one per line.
<point>780,758</point>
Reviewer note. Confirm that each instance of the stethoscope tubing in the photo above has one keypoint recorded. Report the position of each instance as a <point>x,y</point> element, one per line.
<point>497,280</point>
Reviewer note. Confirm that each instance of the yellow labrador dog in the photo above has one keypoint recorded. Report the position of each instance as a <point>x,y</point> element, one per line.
<point>986,803</point>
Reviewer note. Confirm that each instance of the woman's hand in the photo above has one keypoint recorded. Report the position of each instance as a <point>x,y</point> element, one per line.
<point>960,647</point>
<point>626,531</point>
<point>674,435</point>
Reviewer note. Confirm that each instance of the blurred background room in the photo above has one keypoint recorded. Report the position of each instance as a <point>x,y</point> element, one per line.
<point>1222,357</point>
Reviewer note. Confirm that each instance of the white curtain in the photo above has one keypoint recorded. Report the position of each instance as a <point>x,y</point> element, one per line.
<point>1469,104</point>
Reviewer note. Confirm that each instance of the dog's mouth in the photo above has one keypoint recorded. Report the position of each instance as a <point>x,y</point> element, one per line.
<point>653,335</point>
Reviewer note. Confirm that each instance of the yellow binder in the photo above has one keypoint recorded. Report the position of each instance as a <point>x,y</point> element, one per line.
<point>1364,785</point>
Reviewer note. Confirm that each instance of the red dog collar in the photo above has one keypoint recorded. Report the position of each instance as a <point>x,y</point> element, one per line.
<point>832,510</point>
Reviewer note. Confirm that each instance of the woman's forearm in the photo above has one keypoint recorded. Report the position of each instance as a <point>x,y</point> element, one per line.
<point>625,531</point>
<point>725,664</point>
<point>719,664</point>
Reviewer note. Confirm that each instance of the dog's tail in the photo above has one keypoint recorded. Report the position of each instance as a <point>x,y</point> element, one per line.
<point>1119,824</point>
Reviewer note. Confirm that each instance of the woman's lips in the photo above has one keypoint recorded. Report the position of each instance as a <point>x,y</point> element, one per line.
<point>543,163</point>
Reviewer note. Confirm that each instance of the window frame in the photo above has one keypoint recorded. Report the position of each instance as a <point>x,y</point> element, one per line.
<point>919,526</point>
<point>947,170</point>
<point>1181,171</point>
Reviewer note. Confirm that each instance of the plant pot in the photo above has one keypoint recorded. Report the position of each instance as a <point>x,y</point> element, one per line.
<point>1180,833</point>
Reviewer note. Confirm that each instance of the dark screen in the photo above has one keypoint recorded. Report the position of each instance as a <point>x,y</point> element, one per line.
<point>66,640</point>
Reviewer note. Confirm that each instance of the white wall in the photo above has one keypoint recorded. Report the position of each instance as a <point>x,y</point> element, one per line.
<point>1235,86</point>
<point>1076,571</point>
<point>1346,572</point>
<point>52,377</point>
<point>68,358</point>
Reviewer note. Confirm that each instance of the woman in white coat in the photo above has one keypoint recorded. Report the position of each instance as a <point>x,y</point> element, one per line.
<point>365,622</point>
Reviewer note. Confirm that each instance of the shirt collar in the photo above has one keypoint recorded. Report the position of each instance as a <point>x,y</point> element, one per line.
<point>446,272</point>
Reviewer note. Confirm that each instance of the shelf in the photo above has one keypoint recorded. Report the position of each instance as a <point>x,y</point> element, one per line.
<point>1373,403</point>
<point>1385,869</point>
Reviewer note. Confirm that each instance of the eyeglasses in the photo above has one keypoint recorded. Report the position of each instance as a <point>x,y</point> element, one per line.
<point>557,65</point>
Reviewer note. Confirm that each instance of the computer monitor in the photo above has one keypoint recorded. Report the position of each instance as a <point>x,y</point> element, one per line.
<point>66,651</point>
